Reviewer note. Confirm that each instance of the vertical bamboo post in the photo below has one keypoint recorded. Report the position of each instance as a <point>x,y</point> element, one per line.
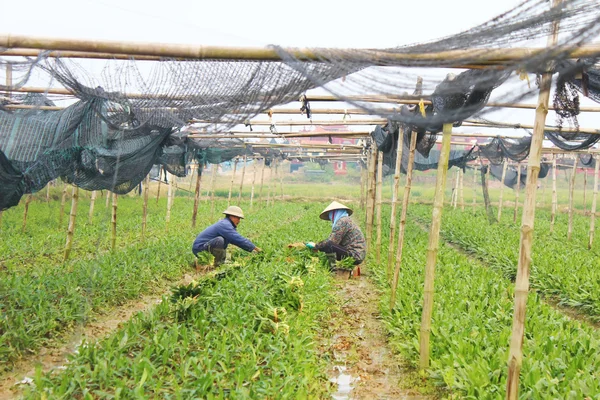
<point>433,246</point>
<point>62,205</point>
<point>515,357</point>
<point>371,196</point>
<point>197,194</point>
<point>401,229</point>
<point>399,149</point>
<point>92,202</point>
<point>159,182</point>
<point>518,189</point>
<point>192,177</point>
<point>500,201</point>
<point>571,190</point>
<point>262,179</point>
<point>362,187</point>
<point>242,181</point>
<point>379,190</point>
<point>269,182</point>
<point>113,240</point>
<point>460,190</point>
<point>253,183</point>
<point>108,197</point>
<point>474,188</point>
<point>594,198</point>
<point>584,190</point>
<point>72,217</point>
<point>26,211</point>
<point>235,161</point>
<point>486,193</point>
<point>169,199</point>
<point>281,178</point>
<point>454,187</point>
<point>48,192</point>
<point>145,206</point>
<point>213,171</point>
<point>554,195</point>
<point>212,185</point>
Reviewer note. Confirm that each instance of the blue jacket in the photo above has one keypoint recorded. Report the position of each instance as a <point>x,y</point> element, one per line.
<point>227,230</point>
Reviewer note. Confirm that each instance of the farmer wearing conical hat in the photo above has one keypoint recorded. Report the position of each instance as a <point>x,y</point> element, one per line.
<point>346,238</point>
<point>218,236</point>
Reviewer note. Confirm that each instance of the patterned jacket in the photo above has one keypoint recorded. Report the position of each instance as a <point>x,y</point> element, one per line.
<point>347,234</point>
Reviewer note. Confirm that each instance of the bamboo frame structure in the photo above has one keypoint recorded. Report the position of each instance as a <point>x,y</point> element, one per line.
<point>113,240</point>
<point>62,205</point>
<point>517,192</point>
<point>242,181</point>
<point>72,219</point>
<point>554,195</point>
<point>515,358</point>
<point>433,247</point>
<point>235,162</point>
<point>254,161</point>
<point>397,167</point>
<point>500,201</point>
<point>145,206</point>
<point>25,212</point>
<point>594,202</point>
<point>571,190</point>
<point>378,194</point>
<point>197,194</point>
<point>92,202</point>
<point>401,228</point>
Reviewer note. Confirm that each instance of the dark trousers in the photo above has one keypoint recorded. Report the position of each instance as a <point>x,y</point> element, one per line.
<point>213,244</point>
<point>340,252</point>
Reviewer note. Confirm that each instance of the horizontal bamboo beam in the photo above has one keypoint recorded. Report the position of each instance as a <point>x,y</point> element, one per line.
<point>525,126</point>
<point>199,52</point>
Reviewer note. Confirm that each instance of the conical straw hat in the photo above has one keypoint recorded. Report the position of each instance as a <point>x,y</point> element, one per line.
<point>235,211</point>
<point>334,206</point>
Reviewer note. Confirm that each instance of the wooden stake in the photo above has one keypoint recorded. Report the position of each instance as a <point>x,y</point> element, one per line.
<point>517,190</point>
<point>108,196</point>
<point>62,205</point>
<point>281,178</point>
<point>399,149</point>
<point>253,182</point>
<point>242,181</point>
<point>197,194</point>
<point>433,246</point>
<point>232,178</point>
<point>371,196</point>
<point>554,195</point>
<point>379,188</point>
<point>113,239</point>
<point>474,188</point>
<point>584,190</point>
<point>571,190</point>
<point>453,193</point>
<point>27,202</point>
<point>500,202</point>
<point>460,189</point>
<point>145,206</point>
<point>192,178</point>
<point>169,199</point>
<point>515,358</point>
<point>48,192</point>
<point>401,229</point>
<point>594,199</point>
<point>159,182</point>
<point>91,212</point>
<point>262,179</point>
<point>72,217</point>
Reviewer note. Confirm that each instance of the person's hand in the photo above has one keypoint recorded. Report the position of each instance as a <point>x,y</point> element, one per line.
<point>310,245</point>
<point>257,249</point>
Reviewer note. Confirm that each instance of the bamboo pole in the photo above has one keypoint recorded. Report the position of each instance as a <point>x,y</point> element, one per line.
<point>460,190</point>
<point>232,179</point>
<point>145,206</point>
<point>433,246</point>
<point>474,189</point>
<point>242,181</point>
<point>160,168</point>
<point>25,212</point>
<point>584,191</point>
<point>113,240</point>
<point>197,194</point>
<point>500,201</point>
<point>454,197</point>
<point>169,177</point>
<point>253,183</point>
<point>371,196</point>
<point>517,191</point>
<point>399,149</point>
<point>281,178</point>
<point>378,191</point>
<point>262,179</point>
<point>212,196</point>
<point>594,199</point>
<point>192,178</point>
<point>401,228</point>
<point>48,192</point>
<point>62,205</point>
<point>108,197</point>
<point>486,194</point>
<point>554,195</point>
<point>362,187</point>
<point>213,170</point>
<point>92,202</point>
<point>72,217</point>
<point>515,357</point>
<point>571,190</point>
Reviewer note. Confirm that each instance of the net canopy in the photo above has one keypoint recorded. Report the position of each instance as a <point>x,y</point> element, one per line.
<point>127,112</point>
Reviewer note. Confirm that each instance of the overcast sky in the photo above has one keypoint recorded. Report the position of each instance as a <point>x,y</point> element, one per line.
<point>308,23</point>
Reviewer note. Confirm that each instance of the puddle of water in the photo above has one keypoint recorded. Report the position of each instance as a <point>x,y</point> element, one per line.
<point>344,382</point>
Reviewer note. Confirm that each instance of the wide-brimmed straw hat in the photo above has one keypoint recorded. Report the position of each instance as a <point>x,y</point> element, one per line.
<point>235,211</point>
<point>334,206</point>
